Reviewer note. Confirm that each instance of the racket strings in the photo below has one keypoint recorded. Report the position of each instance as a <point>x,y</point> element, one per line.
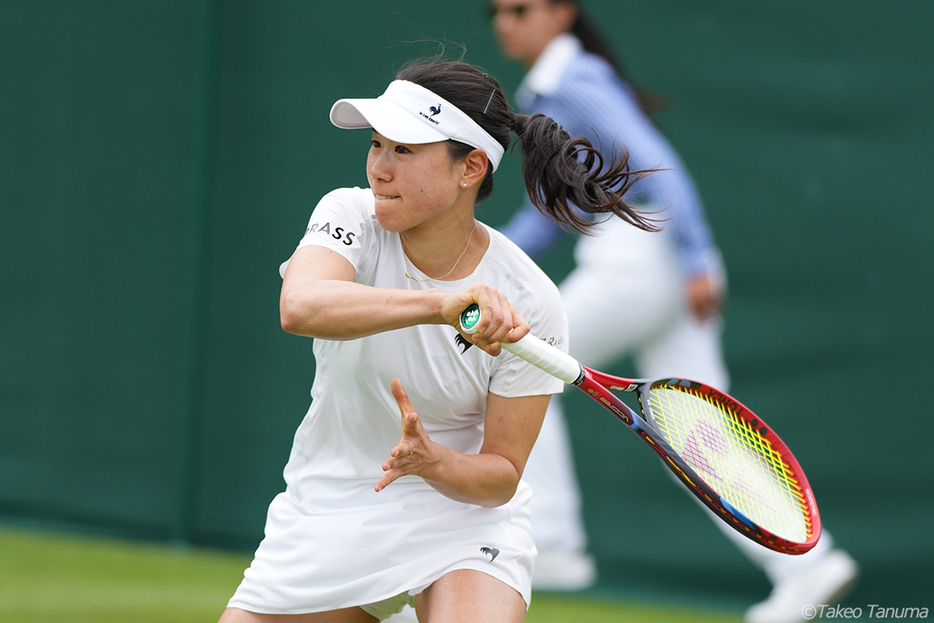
<point>751,437</point>
<point>757,442</point>
<point>734,458</point>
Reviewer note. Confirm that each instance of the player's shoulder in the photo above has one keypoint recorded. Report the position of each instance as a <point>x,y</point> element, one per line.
<point>355,196</point>
<point>518,269</point>
<point>352,205</point>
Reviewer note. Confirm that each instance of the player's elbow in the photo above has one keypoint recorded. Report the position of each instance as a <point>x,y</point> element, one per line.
<point>500,492</point>
<point>288,318</point>
<point>296,316</point>
<point>501,497</point>
<point>288,322</point>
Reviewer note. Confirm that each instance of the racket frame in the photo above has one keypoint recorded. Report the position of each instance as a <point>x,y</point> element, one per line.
<point>600,387</point>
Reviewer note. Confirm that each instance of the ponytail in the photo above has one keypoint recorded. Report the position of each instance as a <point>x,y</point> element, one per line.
<point>562,172</point>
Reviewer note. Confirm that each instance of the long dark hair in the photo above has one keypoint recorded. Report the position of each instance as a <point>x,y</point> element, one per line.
<point>560,171</point>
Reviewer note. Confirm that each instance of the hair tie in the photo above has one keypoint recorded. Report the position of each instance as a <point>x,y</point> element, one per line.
<point>514,122</point>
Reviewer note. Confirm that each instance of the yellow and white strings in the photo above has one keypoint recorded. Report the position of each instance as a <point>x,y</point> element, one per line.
<point>733,458</point>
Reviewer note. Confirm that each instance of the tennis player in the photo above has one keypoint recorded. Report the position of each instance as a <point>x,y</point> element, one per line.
<point>404,482</point>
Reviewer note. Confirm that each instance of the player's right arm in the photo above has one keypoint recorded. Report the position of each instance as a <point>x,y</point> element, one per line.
<point>320,299</point>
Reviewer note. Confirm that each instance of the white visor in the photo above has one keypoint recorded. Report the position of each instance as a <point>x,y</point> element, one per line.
<point>409,113</point>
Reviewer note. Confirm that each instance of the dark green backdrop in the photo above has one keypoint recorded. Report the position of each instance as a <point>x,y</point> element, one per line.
<point>159,159</point>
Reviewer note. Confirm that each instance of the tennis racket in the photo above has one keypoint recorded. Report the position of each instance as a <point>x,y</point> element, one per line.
<point>720,450</point>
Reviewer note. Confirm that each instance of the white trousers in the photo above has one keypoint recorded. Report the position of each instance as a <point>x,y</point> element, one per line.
<point>626,297</point>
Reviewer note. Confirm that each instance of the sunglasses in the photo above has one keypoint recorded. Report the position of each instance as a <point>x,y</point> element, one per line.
<point>518,11</point>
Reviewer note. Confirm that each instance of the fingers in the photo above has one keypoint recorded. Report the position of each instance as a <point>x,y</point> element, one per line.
<point>403,462</point>
<point>520,328</point>
<point>499,320</point>
<point>408,456</point>
<point>402,399</point>
<point>395,468</point>
<point>498,313</point>
<point>409,417</point>
<point>404,449</point>
<point>388,478</point>
<point>409,421</point>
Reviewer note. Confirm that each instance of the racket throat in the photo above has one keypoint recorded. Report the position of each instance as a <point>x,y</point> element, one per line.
<point>613,404</point>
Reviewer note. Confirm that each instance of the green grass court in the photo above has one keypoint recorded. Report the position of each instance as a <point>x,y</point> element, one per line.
<point>56,578</point>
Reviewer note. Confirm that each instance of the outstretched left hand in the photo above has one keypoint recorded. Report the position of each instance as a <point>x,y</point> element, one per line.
<point>415,453</point>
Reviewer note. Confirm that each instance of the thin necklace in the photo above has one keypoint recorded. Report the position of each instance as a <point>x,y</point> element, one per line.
<point>452,267</point>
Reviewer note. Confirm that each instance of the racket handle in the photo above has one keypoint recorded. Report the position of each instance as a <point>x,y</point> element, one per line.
<point>544,356</point>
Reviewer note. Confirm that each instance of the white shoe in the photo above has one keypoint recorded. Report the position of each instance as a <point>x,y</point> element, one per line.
<point>823,583</point>
<point>557,570</point>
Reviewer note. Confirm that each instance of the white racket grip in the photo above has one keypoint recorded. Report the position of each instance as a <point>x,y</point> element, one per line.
<point>533,350</point>
<point>555,362</point>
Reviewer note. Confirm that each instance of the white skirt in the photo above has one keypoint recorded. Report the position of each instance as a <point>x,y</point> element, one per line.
<point>315,562</point>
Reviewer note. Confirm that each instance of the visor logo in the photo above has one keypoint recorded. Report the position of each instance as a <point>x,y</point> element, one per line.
<point>434,110</point>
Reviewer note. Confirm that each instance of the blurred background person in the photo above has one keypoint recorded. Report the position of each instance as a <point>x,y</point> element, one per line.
<point>671,285</point>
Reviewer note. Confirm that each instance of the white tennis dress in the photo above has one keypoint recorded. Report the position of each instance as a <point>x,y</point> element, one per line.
<point>331,540</point>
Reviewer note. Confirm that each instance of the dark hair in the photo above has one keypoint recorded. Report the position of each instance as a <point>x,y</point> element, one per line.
<point>560,171</point>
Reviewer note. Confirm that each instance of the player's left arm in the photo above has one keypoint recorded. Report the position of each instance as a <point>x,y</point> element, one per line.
<point>489,478</point>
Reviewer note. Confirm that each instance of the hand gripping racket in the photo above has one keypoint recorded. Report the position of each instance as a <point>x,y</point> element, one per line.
<point>720,450</point>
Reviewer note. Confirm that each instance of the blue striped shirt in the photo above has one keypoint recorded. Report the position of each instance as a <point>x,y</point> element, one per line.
<point>583,93</point>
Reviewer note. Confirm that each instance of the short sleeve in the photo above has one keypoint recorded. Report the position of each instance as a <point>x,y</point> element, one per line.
<point>341,223</point>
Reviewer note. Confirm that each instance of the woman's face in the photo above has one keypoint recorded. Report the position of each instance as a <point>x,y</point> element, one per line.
<point>524,28</point>
<point>412,184</point>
